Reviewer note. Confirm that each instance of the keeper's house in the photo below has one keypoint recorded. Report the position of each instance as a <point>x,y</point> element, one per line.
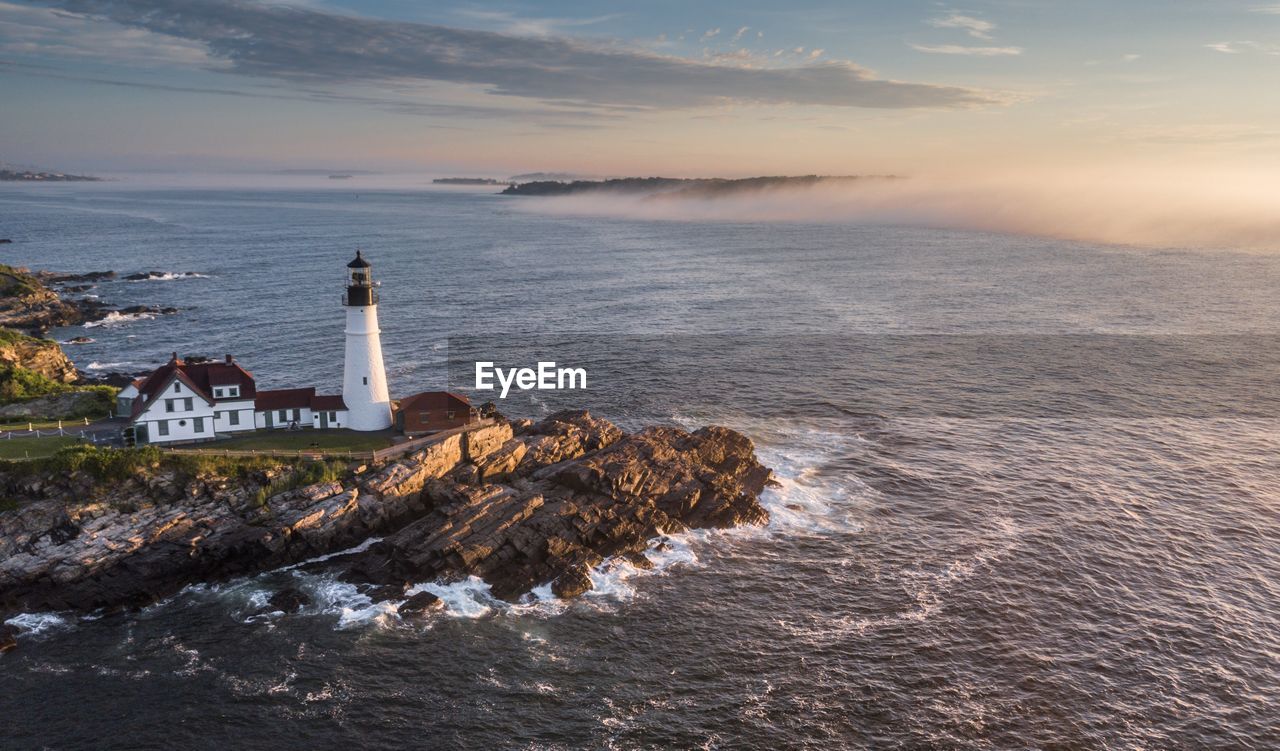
<point>200,401</point>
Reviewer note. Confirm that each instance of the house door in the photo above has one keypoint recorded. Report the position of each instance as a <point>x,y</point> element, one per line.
<point>268,416</point>
<point>324,420</point>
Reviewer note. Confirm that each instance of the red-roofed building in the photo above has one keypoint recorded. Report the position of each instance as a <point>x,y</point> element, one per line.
<point>190,401</point>
<point>299,408</point>
<point>183,401</point>
<point>432,411</point>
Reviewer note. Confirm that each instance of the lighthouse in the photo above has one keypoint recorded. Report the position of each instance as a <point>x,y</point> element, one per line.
<point>364,380</point>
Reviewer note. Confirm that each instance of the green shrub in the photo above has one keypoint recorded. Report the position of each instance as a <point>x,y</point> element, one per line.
<point>305,474</point>
<point>19,385</point>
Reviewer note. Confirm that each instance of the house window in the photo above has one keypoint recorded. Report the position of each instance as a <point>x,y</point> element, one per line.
<point>162,427</point>
<point>182,423</point>
<point>283,415</point>
<point>450,414</point>
<point>177,387</point>
<point>168,405</point>
<point>233,391</point>
<point>217,393</point>
<point>424,416</point>
<point>234,417</point>
<point>199,424</point>
<point>333,417</point>
<point>187,405</point>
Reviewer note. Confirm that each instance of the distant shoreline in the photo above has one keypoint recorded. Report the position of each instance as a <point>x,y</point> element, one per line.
<point>32,176</point>
<point>685,187</point>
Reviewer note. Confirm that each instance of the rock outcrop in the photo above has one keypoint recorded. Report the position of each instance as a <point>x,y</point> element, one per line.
<point>517,511</point>
<point>582,493</point>
<point>41,356</point>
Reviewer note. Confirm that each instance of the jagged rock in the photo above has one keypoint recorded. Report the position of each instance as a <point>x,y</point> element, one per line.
<point>639,560</point>
<point>8,638</point>
<point>420,604</point>
<point>521,425</point>
<point>591,494</point>
<point>289,600</point>
<point>575,513</point>
<point>572,583</point>
<point>501,462</point>
<point>565,435</point>
<point>483,441</point>
<point>42,356</point>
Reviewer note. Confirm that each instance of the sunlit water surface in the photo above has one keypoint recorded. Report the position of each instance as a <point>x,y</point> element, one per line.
<point>1034,575</point>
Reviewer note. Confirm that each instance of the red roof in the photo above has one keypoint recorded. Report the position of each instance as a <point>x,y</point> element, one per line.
<point>428,400</point>
<point>284,399</point>
<point>327,403</point>
<point>197,376</point>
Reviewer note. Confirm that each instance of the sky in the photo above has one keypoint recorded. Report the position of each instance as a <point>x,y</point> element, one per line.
<point>717,88</point>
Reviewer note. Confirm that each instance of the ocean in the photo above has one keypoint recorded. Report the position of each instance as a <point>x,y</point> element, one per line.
<point>1029,494</point>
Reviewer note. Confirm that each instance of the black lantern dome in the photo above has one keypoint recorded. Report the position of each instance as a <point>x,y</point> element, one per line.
<point>360,288</point>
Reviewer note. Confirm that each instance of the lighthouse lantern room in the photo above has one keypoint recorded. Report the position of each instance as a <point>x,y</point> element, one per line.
<point>364,379</point>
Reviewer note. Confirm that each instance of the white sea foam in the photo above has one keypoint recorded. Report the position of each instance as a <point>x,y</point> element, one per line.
<point>34,624</point>
<point>469,598</point>
<point>353,608</point>
<point>116,318</point>
<point>169,276</point>
<point>95,365</point>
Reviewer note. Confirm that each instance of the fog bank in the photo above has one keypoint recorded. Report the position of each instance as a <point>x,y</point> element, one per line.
<point>1175,209</point>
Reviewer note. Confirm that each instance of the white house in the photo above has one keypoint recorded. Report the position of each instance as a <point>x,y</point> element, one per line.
<point>196,401</point>
<point>299,408</point>
<point>200,401</point>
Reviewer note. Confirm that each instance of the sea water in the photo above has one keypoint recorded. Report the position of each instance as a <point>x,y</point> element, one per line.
<point>1028,495</point>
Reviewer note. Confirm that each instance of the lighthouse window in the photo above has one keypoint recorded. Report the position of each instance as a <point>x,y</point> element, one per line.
<point>366,380</point>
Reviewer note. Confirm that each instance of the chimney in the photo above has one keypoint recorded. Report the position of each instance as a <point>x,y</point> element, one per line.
<point>175,358</point>
<point>230,359</point>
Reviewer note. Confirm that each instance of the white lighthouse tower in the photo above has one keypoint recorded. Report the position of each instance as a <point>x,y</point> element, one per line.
<point>364,380</point>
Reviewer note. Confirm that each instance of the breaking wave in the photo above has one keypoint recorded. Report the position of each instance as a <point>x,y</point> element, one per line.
<point>116,318</point>
<point>164,276</point>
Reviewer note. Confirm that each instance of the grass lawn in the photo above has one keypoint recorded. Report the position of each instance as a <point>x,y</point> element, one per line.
<point>302,440</point>
<point>34,448</point>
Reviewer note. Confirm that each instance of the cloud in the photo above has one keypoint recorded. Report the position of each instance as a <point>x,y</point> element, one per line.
<point>709,33</point>
<point>737,35</point>
<point>976,27</point>
<point>513,24</point>
<point>1271,10</point>
<point>46,32</point>
<point>1239,48</point>
<point>314,48</point>
<point>958,49</point>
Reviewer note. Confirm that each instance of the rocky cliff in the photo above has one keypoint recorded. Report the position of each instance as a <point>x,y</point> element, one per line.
<point>41,356</point>
<point>517,505</point>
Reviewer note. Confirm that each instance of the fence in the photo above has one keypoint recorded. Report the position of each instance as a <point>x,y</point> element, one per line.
<point>47,429</point>
<point>379,455</point>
